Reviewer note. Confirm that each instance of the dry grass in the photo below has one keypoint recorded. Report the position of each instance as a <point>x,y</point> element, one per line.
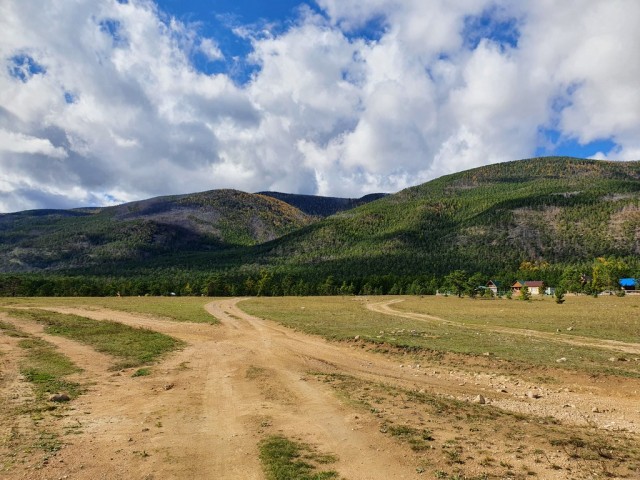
<point>344,318</point>
<point>179,309</point>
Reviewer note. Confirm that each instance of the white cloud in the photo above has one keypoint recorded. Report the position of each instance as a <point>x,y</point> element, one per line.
<point>20,143</point>
<point>108,90</point>
<point>211,49</point>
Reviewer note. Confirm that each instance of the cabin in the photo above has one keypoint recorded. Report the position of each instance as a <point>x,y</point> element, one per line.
<point>534,286</point>
<point>629,284</point>
<point>494,286</point>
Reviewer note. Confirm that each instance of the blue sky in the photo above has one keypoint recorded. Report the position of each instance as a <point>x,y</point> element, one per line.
<point>217,19</point>
<point>107,101</point>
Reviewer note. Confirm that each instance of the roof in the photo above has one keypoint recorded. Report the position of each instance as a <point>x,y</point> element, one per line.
<point>628,282</point>
<point>494,282</point>
<point>528,283</point>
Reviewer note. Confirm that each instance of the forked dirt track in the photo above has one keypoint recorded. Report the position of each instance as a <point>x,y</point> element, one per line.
<point>203,411</point>
<point>613,345</point>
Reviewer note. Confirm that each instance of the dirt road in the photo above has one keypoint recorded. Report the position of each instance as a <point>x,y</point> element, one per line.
<point>204,410</point>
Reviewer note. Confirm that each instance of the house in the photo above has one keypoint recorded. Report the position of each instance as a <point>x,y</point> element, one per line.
<point>629,284</point>
<point>534,286</point>
<point>494,286</point>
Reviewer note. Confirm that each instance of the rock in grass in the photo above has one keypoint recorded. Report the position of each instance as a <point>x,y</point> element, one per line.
<point>59,397</point>
<point>480,400</point>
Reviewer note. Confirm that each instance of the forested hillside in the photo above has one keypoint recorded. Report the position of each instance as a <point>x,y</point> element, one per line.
<point>545,218</point>
<point>323,206</point>
<point>208,221</point>
<point>489,219</point>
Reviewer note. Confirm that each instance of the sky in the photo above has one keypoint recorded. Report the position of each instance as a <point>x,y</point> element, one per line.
<point>109,101</point>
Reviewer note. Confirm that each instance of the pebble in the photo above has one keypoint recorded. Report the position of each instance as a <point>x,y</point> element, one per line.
<point>480,400</point>
<point>59,397</point>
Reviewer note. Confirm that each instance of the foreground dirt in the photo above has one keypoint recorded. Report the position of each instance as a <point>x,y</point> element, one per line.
<point>203,411</point>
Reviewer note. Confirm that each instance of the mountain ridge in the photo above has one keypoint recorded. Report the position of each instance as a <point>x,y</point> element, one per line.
<point>43,239</point>
<point>555,211</point>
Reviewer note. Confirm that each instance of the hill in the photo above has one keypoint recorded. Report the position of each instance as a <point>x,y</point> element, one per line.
<point>549,213</point>
<point>207,221</point>
<point>489,219</point>
<point>323,206</point>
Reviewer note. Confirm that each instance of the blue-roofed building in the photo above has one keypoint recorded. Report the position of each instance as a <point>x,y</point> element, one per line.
<point>629,284</point>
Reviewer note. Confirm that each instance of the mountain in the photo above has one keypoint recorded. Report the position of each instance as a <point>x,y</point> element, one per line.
<point>560,211</point>
<point>207,221</point>
<point>318,206</point>
<point>489,219</point>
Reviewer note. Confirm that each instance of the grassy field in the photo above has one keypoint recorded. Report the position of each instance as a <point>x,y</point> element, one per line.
<point>180,309</point>
<point>130,346</point>
<point>344,318</point>
<point>605,317</point>
<point>43,365</point>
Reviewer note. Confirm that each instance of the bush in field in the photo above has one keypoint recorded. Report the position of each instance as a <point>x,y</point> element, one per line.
<point>524,293</point>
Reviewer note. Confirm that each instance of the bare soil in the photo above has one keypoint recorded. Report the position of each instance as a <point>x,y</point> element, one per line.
<point>202,411</point>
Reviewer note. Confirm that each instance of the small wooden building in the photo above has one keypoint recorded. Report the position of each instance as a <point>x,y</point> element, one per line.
<point>494,286</point>
<point>534,286</point>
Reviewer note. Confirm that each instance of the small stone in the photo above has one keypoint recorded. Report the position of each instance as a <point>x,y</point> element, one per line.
<point>569,329</point>
<point>480,400</point>
<point>356,338</point>
<point>595,410</point>
<point>59,397</point>
<point>561,360</point>
<point>169,386</point>
<point>532,394</point>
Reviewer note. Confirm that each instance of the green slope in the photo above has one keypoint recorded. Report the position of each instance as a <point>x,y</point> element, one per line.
<point>488,219</point>
<point>560,210</point>
<point>207,221</point>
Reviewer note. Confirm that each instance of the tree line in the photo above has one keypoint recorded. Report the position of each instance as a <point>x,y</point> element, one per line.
<point>602,274</point>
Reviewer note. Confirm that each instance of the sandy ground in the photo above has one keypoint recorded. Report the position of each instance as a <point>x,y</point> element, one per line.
<point>203,410</point>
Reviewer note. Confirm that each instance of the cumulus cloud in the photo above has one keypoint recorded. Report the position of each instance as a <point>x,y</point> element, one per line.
<point>100,101</point>
<point>19,143</point>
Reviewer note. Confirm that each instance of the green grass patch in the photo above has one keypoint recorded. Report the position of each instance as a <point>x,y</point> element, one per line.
<point>142,372</point>
<point>343,318</point>
<point>179,309</point>
<point>11,330</point>
<point>46,368</point>
<point>131,346</point>
<point>283,459</point>
<point>418,439</point>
